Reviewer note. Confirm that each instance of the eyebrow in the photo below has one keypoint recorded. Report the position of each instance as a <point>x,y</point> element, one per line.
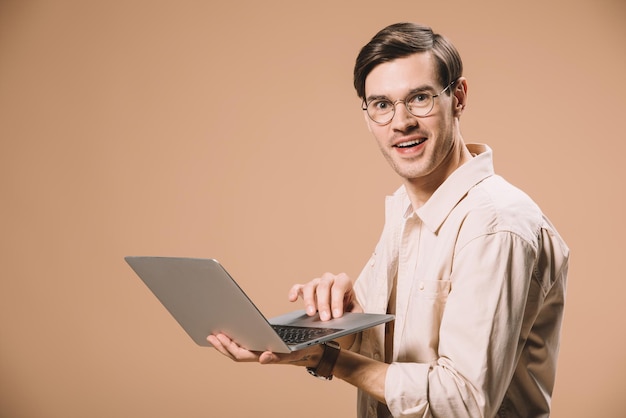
<point>421,89</point>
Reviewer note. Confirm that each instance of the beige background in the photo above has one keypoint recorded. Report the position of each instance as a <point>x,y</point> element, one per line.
<point>232,131</point>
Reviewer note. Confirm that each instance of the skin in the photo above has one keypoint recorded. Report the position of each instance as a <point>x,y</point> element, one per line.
<point>423,167</point>
<point>438,151</point>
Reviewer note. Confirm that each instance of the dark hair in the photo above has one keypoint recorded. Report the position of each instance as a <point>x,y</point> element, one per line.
<point>401,40</point>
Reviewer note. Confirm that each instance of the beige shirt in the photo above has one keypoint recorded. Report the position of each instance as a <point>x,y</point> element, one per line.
<point>481,277</point>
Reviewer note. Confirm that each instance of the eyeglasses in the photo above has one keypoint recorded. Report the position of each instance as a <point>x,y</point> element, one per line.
<point>382,111</point>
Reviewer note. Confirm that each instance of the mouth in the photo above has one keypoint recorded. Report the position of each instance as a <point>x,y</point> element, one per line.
<point>410,144</point>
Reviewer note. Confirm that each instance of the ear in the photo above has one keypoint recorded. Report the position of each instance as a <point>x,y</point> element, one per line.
<point>460,96</point>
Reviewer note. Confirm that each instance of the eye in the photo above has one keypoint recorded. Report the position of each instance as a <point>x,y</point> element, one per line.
<point>380,105</point>
<point>419,99</point>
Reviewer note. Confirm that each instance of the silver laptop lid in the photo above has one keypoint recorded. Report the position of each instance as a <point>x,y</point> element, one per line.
<point>205,300</point>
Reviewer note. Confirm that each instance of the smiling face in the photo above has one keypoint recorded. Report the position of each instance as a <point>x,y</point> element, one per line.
<point>420,149</point>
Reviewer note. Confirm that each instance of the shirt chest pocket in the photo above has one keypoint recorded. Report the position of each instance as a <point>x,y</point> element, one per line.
<point>432,290</point>
<point>427,303</point>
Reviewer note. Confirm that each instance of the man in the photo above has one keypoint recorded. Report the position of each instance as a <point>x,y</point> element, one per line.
<point>473,271</point>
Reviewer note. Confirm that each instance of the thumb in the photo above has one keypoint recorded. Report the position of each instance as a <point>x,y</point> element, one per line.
<point>268,358</point>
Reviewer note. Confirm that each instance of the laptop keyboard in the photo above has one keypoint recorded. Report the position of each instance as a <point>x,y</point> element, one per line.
<point>297,335</point>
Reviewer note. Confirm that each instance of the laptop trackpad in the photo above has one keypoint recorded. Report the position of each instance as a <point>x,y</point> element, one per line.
<point>301,319</point>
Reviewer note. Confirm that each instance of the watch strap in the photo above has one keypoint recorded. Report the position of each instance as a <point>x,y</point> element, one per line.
<point>324,369</point>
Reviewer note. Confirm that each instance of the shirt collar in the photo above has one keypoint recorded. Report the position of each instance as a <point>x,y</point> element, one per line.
<point>435,211</point>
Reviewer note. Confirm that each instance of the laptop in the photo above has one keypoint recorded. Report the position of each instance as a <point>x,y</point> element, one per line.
<point>204,299</point>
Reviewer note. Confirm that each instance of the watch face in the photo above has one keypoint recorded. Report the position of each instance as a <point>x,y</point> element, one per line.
<point>312,372</point>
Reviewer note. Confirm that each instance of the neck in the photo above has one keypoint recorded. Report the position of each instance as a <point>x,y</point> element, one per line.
<point>421,189</point>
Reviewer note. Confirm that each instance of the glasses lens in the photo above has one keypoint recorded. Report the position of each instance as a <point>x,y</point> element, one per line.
<point>420,104</point>
<point>380,111</point>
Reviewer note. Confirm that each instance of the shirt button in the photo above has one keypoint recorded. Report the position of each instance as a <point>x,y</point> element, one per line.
<point>421,285</point>
<point>376,356</point>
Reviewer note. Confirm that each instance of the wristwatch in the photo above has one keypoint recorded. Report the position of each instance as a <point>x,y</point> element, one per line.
<point>324,369</point>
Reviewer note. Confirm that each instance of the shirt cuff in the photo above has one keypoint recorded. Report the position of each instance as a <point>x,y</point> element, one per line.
<point>406,388</point>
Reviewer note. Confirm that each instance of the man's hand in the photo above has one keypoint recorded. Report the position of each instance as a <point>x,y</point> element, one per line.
<point>330,295</point>
<point>230,349</point>
<point>308,357</point>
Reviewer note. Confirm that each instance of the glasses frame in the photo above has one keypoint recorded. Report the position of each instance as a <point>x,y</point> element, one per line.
<point>365,105</point>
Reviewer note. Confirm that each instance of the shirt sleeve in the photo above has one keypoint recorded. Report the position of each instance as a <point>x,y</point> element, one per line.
<point>480,334</point>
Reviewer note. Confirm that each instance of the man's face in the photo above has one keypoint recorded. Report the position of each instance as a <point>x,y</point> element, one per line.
<point>416,147</point>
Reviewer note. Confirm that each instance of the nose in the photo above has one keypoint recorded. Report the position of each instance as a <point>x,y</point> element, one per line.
<point>403,119</point>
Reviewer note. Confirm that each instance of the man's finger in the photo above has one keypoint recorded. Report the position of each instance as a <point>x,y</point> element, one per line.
<point>309,297</point>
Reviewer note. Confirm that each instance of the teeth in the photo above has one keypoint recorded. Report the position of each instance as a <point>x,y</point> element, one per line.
<point>410,143</point>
